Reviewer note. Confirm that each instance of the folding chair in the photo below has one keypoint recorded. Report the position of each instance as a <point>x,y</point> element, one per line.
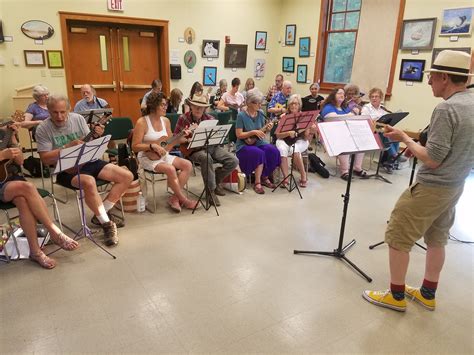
<point>118,128</point>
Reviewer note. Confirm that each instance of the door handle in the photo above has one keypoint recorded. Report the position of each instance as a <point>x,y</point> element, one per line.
<point>121,85</point>
<point>97,86</point>
<point>138,86</point>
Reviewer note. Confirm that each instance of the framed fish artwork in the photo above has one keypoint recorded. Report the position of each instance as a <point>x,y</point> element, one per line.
<point>457,22</point>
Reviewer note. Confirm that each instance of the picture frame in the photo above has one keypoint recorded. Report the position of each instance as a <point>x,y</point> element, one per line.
<point>457,22</point>
<point>304,46</point>
<point>209,76</point>
<point>235,56</point>
<point>290,35</point>
<point>260,40</point>
<point>418,34</point>
<point>189,59</point>
<point>288,64</point>
<point>301,73</point>
<point>55,59</point>
<point>210,48</point>
<point>37,29</point>
<point>436,51</point>
<point>412,70</point>
<point>259,69</point>
<point>34,58</point>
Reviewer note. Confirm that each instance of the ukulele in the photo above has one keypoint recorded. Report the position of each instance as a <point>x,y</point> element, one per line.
<point>152,155</point>
<point>253,139</point>
<point>7,166</point>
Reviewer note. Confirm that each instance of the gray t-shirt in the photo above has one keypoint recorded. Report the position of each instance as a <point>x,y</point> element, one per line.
<point>450,141</point>
<point>50,137</point>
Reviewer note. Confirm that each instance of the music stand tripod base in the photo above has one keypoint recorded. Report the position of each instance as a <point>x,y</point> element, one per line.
<point>377,174</point>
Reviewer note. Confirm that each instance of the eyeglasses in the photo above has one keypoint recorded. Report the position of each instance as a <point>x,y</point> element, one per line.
<point>164,104</point>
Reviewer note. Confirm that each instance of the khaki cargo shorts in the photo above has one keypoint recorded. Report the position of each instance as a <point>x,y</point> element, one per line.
<point>422,211</point>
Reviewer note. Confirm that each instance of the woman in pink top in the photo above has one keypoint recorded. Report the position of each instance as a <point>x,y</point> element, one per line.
<point>231,99</point>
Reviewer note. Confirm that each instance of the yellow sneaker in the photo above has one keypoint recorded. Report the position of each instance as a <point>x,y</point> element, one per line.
<point>385,299</point>
<point>415,295</point>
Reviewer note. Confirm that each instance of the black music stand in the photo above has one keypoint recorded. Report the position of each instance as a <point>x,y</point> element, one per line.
<point>92,116</point>
<point>297,122</point>
<point>363,142</point>
<point>74,157</point>
<point>205,136</point>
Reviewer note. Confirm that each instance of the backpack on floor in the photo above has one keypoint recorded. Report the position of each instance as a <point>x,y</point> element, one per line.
<point>33,166</point>
<point>125,158</point>
<point>316,165</point>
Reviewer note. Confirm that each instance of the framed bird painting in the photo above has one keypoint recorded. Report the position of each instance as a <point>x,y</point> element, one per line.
<point>209,76</point>
<point>305,43</point>
<point>260,40</point>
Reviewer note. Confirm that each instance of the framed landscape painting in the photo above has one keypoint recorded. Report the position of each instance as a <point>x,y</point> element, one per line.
<point>418,34</point>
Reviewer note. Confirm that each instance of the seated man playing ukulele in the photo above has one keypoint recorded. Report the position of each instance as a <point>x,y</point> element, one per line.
<point>65,129</point>
<point>31,208</point>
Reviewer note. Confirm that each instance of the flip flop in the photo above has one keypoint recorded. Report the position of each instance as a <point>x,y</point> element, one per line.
<point>43,260</point>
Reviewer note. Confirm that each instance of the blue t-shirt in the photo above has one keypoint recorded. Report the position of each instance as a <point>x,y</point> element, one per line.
<point>329,108</point>
<point>39,113</point>
<point>247,123</point>
<point>97,103</point>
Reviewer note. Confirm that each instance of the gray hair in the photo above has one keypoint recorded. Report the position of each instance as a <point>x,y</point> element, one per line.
<point>91,87</point>
<point>39,90</point>
<point>222,82</point>
<point>254,96</point>
<point>352,87</point>
<point>53,99</point>
<point>286,83</point>
<point>295,98</point>
<point>314,85</point>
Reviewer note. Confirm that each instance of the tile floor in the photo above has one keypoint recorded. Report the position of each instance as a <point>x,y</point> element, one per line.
<point>199,283</point>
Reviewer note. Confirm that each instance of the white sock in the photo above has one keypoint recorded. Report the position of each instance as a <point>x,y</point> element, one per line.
<point>108,205</point>
<point>102,217</point>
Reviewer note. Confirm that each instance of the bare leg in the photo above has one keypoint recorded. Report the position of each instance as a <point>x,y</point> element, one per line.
<point>298,161</point>
<point>434,263</point>
<point>398,265</point>
<point>186,167</point>
<point>258,173</point>
<point>284,166</point>
<point>91,195</point>
<point>120,177</point>
<point>173,181</point>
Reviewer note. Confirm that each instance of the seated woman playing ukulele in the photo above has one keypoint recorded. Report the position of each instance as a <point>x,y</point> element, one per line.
<point>301,140</point>
<point>151,141</point>
<point>253,151</point>
<point>31,208</point>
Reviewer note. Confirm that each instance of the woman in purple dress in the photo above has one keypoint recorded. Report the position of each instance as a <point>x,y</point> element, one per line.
<point>260,157</point>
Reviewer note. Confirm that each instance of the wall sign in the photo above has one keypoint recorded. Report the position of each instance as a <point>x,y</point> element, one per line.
<point>115,5</point>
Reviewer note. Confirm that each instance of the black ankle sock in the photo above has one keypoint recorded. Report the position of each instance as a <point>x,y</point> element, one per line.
<point>398,295</point>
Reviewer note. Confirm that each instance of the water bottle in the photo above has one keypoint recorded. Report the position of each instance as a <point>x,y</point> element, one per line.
<point>141,202</point>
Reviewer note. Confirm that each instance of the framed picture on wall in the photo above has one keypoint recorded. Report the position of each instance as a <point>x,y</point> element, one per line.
<point>209,76</point>
<point>235,56</point>
<point>34,58</point>
<point>457,22</point>
<point>259,71</point>
<point>301,73</point>
<point>288,64</point>
<point>290,35</point>
<point>436,51</point>
<point>305,44</point>
<point>260,40</point>
<point>418,34</point>
<point>55,59</point>
<point>210,48</point>
<point>412,70</point>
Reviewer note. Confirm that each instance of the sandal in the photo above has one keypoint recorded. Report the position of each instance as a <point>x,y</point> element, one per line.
<point>345,176</point>
<point>173,202</point>
<point>267,183</point>
<point>258,189</point>
<point>64,242</point>
<point>303,183</point>
<point>190,204</point>
<point>362,174</point>
<point>44,261</point>
<point>284,184</point>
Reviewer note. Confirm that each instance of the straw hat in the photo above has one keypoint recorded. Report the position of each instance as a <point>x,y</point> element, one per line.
<point>199,99</point>
<point>451,62</point>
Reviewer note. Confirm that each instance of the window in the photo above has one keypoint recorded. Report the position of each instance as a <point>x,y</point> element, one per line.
<point>340,24</point>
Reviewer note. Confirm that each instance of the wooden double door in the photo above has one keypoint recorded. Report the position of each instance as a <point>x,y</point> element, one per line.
<point>118,60</point>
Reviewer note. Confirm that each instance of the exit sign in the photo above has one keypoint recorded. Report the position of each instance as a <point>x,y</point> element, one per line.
<point>115,5</point>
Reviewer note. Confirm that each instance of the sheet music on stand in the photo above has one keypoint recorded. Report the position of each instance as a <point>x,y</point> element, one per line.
<point>217,135</point>
<point>92,116</point>
<point>348,136</point>
<point>91,151</point>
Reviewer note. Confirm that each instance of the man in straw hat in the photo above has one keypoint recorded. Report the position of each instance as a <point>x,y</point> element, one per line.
<point>427,207</point>
<point>198,103</point>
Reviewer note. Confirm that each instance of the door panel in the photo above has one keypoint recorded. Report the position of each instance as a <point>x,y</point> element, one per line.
<point>93,63</point>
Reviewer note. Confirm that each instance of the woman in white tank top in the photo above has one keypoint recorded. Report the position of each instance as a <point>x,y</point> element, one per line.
<point>149,132</point>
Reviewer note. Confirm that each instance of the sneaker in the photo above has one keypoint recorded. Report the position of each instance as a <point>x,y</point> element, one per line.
<point>173,202</point>
<point>216,200</point>
<point>402,159</point>
<point>415,295</point>
<point>110,233</point>
<point>118,221</point>
<point>219,191</point>
<point>385,299</point>
<point>388,168</point>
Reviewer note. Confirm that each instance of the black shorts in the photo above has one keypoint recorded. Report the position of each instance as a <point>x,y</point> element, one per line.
<point>93,169</point>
